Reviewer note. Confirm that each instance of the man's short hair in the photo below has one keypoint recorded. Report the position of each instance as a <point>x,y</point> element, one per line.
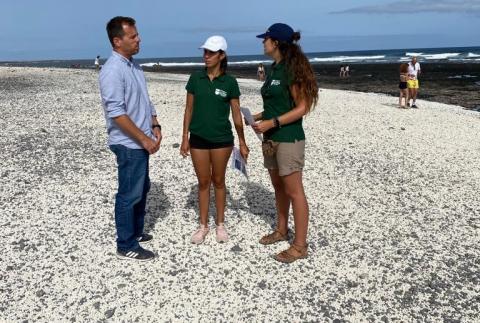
<point>115,27</point>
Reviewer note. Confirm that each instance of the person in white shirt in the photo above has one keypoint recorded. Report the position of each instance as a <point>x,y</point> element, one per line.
<point>412,82</point>
<point>97,62</point>
<point>347,71</point>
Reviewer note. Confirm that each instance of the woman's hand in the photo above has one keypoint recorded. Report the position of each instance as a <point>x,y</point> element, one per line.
<point>256,117</point>
<point>185,147</point>
<point>244,151</point>
<point>263,126</point>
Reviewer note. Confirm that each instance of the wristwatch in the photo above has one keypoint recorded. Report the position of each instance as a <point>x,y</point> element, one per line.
<point>276,122</point>
<point>157,126</point>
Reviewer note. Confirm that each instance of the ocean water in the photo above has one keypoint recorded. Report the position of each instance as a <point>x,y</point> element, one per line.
<point>426,55</point>
<point>455,54</point>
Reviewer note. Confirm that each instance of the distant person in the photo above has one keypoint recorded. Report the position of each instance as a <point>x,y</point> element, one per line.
<point>211,94</point>
<point>261,72</point>
<point>133,134</point>
<point>290,93</point>
<point>97,62</point>
<point>413,84</point>
<point>347,71</point>
<point>403,85</point>
<point>342,71</point>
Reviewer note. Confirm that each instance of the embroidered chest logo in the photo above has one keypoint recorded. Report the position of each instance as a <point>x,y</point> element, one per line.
<point>222,93</point>
<point>275,82</point>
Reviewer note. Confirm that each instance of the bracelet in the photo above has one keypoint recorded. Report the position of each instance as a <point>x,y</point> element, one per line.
<point>157,126</point>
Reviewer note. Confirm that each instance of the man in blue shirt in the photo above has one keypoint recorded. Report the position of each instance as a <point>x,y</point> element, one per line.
<point>133,134</point>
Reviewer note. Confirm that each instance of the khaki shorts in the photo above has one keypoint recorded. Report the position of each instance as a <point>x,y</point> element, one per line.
<point>289,158</point>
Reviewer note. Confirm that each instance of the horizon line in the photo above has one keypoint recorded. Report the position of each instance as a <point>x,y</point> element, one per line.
<point>309,52</point>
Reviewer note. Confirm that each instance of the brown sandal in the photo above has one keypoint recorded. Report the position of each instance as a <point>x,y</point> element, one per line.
<point>273,237</point>
<point>293,253</point>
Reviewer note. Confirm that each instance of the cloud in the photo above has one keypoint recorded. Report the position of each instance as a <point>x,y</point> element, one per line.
<point>418,6</point>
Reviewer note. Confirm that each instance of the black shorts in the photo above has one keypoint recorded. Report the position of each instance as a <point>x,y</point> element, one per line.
<point>197,142</point>
<point>402,85</point>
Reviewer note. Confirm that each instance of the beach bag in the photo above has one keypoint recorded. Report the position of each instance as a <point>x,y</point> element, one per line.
<point>269,148</point>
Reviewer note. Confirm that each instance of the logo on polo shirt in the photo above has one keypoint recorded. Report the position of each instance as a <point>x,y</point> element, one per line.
<point>275,82</point>
<point>222,93</point>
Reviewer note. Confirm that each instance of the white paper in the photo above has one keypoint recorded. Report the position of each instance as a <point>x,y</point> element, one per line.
<point>248,116</point>
<point>238,162</point>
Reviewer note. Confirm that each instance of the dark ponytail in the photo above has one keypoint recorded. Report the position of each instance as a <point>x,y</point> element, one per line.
<point>224,62</point>
<point>296,37</point>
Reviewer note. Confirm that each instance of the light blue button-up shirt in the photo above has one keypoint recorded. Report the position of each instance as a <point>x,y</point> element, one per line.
<point>123,89</point>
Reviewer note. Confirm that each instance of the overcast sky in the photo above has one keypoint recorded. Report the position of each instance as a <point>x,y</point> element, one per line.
<point>63,29</point>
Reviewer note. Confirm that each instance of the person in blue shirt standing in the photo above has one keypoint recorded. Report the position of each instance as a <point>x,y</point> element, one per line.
<point>133,134</point>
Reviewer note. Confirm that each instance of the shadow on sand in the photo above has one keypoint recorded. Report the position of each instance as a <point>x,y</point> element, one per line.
<point>392,105</point>
<point>256,200</point>
<point>157,205</point>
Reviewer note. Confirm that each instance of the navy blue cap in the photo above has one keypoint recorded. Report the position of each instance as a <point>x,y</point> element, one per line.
<point>279,31</point>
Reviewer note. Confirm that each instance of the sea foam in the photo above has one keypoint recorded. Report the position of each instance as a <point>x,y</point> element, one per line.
<point>440,56</point>
<point>346,58</point>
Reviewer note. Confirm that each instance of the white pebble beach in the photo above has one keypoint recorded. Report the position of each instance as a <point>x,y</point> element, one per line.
<point>394,199</point>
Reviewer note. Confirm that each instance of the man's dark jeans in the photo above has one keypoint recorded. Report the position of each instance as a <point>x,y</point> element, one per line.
<point>131,198</point>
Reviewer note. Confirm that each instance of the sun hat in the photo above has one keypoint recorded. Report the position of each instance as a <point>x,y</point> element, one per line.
<point>215,43</point>
<point>279,31</point>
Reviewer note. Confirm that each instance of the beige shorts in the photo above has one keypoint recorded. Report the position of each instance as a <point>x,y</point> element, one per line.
<point>289,158</point>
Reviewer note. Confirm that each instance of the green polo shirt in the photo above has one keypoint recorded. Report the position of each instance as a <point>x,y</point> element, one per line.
<point>277,100</point>
<point>211,105</point>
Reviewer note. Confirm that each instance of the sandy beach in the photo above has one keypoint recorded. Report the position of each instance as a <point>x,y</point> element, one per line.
<point>394,199</point>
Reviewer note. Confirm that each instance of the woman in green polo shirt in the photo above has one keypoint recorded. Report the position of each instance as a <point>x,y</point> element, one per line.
<point>211,93</point>
<point>289,92</point>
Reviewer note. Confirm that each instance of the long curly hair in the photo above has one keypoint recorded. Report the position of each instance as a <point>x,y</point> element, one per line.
<point>299,67</point>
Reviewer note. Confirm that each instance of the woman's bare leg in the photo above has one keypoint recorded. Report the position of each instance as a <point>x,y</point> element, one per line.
<point>282,201</point>
<point>219,158</point>
<point>201,164</point>
<point>294,190</point>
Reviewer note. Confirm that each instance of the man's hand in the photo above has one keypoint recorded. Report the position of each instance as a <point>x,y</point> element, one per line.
<point>158,134</point>
<point>150,145</point>
<point>130,129</point>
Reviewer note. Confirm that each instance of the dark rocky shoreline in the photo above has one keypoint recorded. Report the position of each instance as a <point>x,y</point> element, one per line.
<point>440,82</point>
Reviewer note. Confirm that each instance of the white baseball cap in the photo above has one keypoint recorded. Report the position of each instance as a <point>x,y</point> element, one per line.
<point>215,43</point>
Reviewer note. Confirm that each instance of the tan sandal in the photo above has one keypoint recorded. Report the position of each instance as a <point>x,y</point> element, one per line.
<point>273,237</point>
<point>293,253</point>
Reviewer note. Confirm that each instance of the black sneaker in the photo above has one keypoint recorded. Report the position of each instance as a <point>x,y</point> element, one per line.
<point>414,106</point>
<point>139,254</point>
<point>145,238</point>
